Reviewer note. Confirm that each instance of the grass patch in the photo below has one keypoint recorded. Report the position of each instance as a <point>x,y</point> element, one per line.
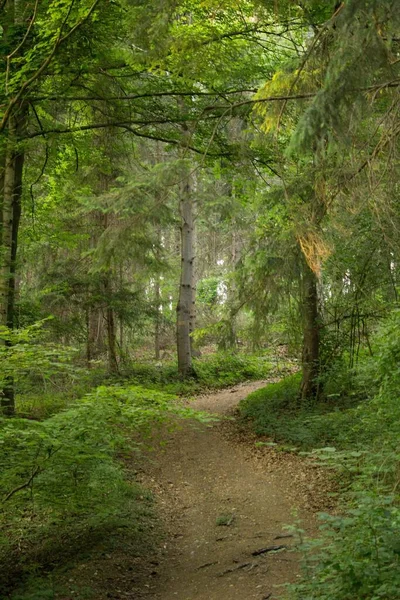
<point>40,400</point>
<point>276,411</point>
<point>225,520</point>
<point>215,371</point>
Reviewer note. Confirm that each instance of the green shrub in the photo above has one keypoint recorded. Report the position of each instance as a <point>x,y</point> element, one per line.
<point>359,556</point>
<point>211,372</point>
<point>224,369</point>
<point>277,411</point>
<point>64,470</point>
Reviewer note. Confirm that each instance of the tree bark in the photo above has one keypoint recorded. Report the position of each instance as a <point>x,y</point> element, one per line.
<point>186,308</point>
<point>10,219</point>
<point>109,312</point>
<point>111,333</point>
<point>157,324</point>
<point>310,387</point>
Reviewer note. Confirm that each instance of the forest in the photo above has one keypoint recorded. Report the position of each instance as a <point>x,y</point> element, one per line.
<point>199,299</point>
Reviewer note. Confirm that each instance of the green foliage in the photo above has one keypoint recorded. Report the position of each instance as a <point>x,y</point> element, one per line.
<point>207,291</point>
<point>212,372</point>
<point>26,356</point>
<point>222,370</point>
<point>225,520</point>
<point>360,556</point>
<point>357,555</point>
<point>63,471</point>
<point>277,411</point>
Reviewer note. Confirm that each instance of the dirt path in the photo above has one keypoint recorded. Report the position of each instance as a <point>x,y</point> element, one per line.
<point>221,501</point>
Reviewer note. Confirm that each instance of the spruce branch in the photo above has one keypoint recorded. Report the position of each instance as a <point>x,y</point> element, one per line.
<point>60,40</point>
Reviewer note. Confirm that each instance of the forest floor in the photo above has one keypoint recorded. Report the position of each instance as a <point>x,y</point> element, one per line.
<point>222,500</point>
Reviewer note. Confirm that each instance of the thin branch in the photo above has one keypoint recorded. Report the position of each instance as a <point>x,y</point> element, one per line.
<point>142,123</point>
<point>127,126</point>
<point>46,160</point>
<point>176,143</point>
<point>140,96</point>
<point>23,485</point>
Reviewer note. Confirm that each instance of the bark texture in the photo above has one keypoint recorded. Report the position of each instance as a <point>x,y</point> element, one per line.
<point>11,180</point>
<point>157,328</point>
<point>186,308</point>
<point>311,340</point>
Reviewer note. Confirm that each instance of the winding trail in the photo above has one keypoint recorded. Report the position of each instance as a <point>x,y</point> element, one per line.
<point>221,501</point>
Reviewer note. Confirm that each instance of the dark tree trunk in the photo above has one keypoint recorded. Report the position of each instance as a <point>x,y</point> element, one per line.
<point>19,165</point>
<point>112,339</point>
<point>310,386</point>
<point>10,219</point>
<point>110,321</point>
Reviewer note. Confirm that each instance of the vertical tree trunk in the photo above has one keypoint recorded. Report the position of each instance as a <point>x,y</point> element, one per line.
<point>157,287</point>
<point>19,166</point>
<point>157,324</point>
<point>231,340</point>
<point>11,183</point>
<point>109,313</point>
<point>186,308</point>
<point>10,219</point>
<point>7,224</point>
<point>89,344</point>
<point>120,315</point>
<point>111,333</point>
<point>310,386</point>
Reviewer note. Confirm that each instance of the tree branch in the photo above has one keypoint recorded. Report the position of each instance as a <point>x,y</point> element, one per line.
<point>140,96</point>
<point>60,39</point>
<point>23,485</point>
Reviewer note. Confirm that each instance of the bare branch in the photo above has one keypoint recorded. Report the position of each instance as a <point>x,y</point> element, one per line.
<point>23,485</point>
<point>144,95</point>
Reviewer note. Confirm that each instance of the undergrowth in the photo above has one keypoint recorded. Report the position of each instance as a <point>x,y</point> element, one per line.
<point>40,398</point>
<point>354,431</point>
<point>277,412</point>
<point>211,372</point>
<point>64,472</point>
<point>63,482</point>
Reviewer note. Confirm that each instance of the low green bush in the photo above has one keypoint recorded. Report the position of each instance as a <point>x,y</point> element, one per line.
<point>276,411</point>
<point>224,369</point>
<point>358,554</point>
<point>63,470</point>
<point>211,372</point>
<point>358,557</point>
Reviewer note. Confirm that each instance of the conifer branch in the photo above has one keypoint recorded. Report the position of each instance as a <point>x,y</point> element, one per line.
<point>60,39</point>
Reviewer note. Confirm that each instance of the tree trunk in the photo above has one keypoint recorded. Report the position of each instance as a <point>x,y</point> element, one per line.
<point>10,219</point>
<point>111,335</point>
<point>11,184</point>
<point>186,308</point>
<point>19,166</point>
<point>157,324</point>
<point>310,387</point>
<point>7,224</point>
<point>110,319</point>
